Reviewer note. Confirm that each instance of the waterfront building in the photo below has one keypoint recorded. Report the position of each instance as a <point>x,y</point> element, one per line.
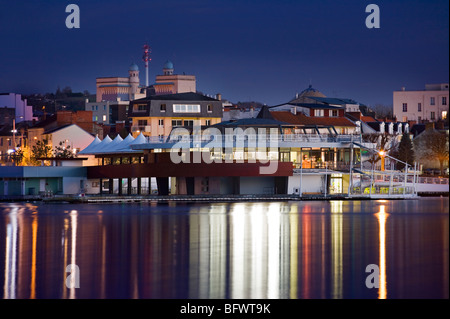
<point>156,115</point>
<point>430,104</point>
<point>316,151</point>
<point>64,176</point>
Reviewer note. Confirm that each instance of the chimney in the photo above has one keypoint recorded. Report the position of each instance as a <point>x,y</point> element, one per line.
<point>219,96</point>
<point>119,126</point>
<point>403,88</point>
<point>294,110</point>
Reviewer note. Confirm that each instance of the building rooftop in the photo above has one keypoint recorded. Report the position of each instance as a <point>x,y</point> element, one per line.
<point>188,96</point>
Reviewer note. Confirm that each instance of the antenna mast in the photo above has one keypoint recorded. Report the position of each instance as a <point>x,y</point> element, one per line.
<point>146,58</point>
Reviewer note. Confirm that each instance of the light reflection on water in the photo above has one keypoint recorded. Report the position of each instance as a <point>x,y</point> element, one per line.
<point>313,249</point>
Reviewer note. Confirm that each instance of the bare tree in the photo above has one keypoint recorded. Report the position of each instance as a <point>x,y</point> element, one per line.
<point>383,141</point>
<point>383,111</point>
<point>436,144</point>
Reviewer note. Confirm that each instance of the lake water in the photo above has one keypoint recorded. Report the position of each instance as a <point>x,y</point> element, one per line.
<point>282,250</point>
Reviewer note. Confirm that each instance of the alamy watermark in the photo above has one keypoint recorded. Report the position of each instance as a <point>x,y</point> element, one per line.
<point>373,279</point>
<point>228,147</point>
<point>73,19</point>
<point>73,280</point>
<point>373,19</point>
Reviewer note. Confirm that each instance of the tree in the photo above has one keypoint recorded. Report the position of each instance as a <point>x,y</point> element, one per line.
<point>405,151</point>
<point>383,111</point>
<point>41,150</point>
<point>436,144</point>
<point>62,151</point>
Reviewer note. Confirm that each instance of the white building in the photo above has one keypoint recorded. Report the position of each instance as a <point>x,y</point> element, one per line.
<point>430,104</point>
<point>23,111</point>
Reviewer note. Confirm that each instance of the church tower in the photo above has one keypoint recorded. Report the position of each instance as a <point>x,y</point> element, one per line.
<point>134,80</point>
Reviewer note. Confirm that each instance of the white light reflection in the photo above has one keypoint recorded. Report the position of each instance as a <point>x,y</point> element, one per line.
<point>382,217</point>
<point>336,251</point>
<point>274,253</point>
<point>73,249</point>
<point>208,234</point>
<point>11,255</point>
<point>259,251</point>
<point>293,255</point>
<point>237,243</point>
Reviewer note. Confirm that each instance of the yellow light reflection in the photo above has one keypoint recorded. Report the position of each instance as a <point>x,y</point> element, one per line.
<point>34,227</point>
<point>382,217</point>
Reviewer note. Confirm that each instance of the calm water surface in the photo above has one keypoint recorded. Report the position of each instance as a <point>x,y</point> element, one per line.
<point>309,249</point>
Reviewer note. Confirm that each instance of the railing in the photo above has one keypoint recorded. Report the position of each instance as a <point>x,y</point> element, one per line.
<point>306,138</point>
<point>383,190</point>
<point>336,166</point>
<point>399,177</point>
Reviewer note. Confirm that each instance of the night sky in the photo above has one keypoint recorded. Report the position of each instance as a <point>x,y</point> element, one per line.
<point>257,50</point>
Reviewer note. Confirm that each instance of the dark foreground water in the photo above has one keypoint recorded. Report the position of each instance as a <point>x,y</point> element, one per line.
<point>315,249</point>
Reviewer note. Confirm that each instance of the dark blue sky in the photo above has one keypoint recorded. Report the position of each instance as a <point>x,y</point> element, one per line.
<point>245,49</point>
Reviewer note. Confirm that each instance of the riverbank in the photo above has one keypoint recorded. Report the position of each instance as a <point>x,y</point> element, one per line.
<point>204,198</point>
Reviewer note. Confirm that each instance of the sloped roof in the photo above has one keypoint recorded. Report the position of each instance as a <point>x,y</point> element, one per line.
<point>123,145</point>
<point>91,146</point>
<point>187,96</point>
<point>302,119</point>
<point>110,146</point>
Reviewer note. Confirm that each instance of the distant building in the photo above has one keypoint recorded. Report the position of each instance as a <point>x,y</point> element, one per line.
<point>114,95</point>
<point>426,105</point>
<point>156,115</point>
<point>120,88</point>
<point>170,83</point>
<point>108,112</point>
<point>14,107</point>
<point>311,107</point>
<point>63,119</point>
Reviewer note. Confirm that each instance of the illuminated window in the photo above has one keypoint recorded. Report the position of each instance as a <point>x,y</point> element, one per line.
<point>444,115</point>
<point>186,108</point>
<point>104,118</point>
<point>318,112</point>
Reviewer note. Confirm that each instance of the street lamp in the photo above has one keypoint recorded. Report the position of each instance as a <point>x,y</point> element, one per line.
<point>382,155</point>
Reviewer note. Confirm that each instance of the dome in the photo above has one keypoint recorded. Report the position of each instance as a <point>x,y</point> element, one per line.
<point>168,65</point>
<point>134,67</point>
<point>310,91</point>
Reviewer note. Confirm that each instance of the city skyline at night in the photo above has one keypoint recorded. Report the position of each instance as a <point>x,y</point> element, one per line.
<point>264,51</point>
